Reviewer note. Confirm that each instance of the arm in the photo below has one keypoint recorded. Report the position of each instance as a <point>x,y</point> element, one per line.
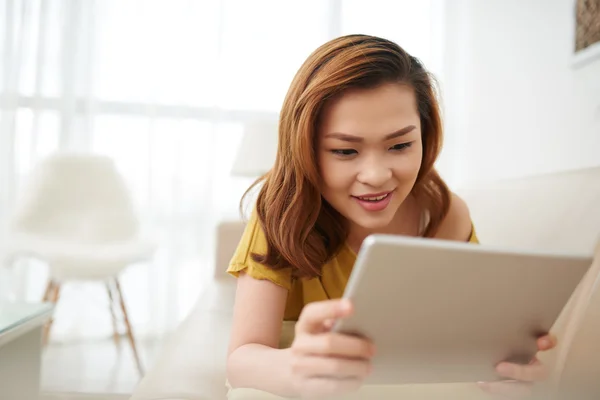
<point>253,357</point>
<point>317,359</point>
<point>318,363</point>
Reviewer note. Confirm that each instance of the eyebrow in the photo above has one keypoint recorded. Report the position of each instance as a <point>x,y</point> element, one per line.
<point>357,139</point>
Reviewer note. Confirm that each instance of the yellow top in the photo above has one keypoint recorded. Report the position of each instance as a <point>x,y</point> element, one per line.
<point>330,285</point>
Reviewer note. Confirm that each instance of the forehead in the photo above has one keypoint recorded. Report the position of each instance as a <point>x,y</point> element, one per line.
<point>373,111</point>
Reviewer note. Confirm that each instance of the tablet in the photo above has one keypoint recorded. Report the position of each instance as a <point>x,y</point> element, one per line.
<point>442,311</point>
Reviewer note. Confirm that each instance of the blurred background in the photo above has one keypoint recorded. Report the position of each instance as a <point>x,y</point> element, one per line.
<point>183,97</point>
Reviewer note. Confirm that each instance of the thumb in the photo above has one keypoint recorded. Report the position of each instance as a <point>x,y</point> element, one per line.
<point>316,316</point>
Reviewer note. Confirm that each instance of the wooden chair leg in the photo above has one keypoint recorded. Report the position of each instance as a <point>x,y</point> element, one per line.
<point>53,297</point>
<point>129,329</point>
<point>49,290</point>
<point>111,299</point>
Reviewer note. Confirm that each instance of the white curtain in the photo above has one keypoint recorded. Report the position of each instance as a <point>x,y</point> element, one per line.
<point>164,87</point>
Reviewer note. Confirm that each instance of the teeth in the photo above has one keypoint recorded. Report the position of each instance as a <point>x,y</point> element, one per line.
<point>378,198</point>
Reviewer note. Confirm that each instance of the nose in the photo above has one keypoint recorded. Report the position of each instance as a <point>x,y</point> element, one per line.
<point>374,172</point>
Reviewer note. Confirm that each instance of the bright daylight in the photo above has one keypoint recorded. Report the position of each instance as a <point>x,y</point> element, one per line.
<point>317,199</point>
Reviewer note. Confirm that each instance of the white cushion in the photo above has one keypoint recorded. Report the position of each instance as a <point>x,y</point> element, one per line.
<point>192,364</point>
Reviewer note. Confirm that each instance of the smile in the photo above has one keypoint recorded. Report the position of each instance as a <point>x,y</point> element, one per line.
<point>373,198</point>
<point>375,201</point>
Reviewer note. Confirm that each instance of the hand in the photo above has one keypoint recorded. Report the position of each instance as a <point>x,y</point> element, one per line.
<point>521,377</point>
<point>324,363</point>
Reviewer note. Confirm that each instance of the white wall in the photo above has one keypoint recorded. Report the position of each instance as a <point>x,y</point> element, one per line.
<point>514,103</point>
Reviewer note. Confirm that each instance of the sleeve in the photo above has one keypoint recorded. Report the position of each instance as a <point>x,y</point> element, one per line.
<point>253,240</point>
<point>473,237</point>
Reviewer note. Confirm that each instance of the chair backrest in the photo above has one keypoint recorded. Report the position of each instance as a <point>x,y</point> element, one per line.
<point>75,197</point>
<point>229,234</point>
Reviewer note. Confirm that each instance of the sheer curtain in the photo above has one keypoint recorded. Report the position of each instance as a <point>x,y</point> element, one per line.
<point>164,87</point>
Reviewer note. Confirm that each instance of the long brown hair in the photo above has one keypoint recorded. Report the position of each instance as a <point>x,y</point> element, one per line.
<point>302,230</point>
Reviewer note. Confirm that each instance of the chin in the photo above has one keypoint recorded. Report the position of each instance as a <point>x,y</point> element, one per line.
<point>373,222</point>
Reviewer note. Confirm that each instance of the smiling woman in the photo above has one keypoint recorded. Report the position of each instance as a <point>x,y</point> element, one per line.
<point>359,134</point>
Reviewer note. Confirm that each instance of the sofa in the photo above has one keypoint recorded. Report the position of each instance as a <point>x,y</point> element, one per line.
<point>559,212</point>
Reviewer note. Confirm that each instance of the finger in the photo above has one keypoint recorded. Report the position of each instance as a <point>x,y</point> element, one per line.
<point>329,367</point>
<point>534,361</point>
<point>314,315</point>
<point>526,373</point>
<point>516,390</point>
<point>546,342</point>
<point>334,345</point>
<point>318,387</point>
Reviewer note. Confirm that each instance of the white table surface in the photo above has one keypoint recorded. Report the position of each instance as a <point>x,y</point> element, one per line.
<point>21,327</point>
<point>18,317</point>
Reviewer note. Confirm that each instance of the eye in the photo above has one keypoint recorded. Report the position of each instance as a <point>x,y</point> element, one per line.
<point>401,146</point>
<point>344,152</point>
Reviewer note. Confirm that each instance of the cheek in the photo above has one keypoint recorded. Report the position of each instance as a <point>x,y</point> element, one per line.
<point>335,175</point>
<point>410,166</point>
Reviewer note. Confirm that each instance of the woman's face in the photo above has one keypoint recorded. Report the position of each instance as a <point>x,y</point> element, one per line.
<point>369,151</point>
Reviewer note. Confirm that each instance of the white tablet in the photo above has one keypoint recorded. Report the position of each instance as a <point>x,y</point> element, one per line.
<point>443,311</point>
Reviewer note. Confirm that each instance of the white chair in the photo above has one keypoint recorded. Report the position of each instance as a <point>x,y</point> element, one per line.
<point>75,213</point>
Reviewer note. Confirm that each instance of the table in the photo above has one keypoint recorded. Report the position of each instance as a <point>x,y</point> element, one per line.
<point>21,327</point>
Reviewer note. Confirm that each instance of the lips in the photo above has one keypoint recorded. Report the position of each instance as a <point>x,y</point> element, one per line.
<point>374,201</point>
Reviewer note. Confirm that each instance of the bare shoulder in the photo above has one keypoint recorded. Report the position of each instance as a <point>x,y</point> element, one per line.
<point>457,224</point>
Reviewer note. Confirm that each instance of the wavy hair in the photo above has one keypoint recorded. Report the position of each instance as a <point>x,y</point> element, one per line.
<point>302,230</point>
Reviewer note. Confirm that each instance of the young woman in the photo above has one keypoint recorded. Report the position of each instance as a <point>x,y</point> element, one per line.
<point>359,134</point>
